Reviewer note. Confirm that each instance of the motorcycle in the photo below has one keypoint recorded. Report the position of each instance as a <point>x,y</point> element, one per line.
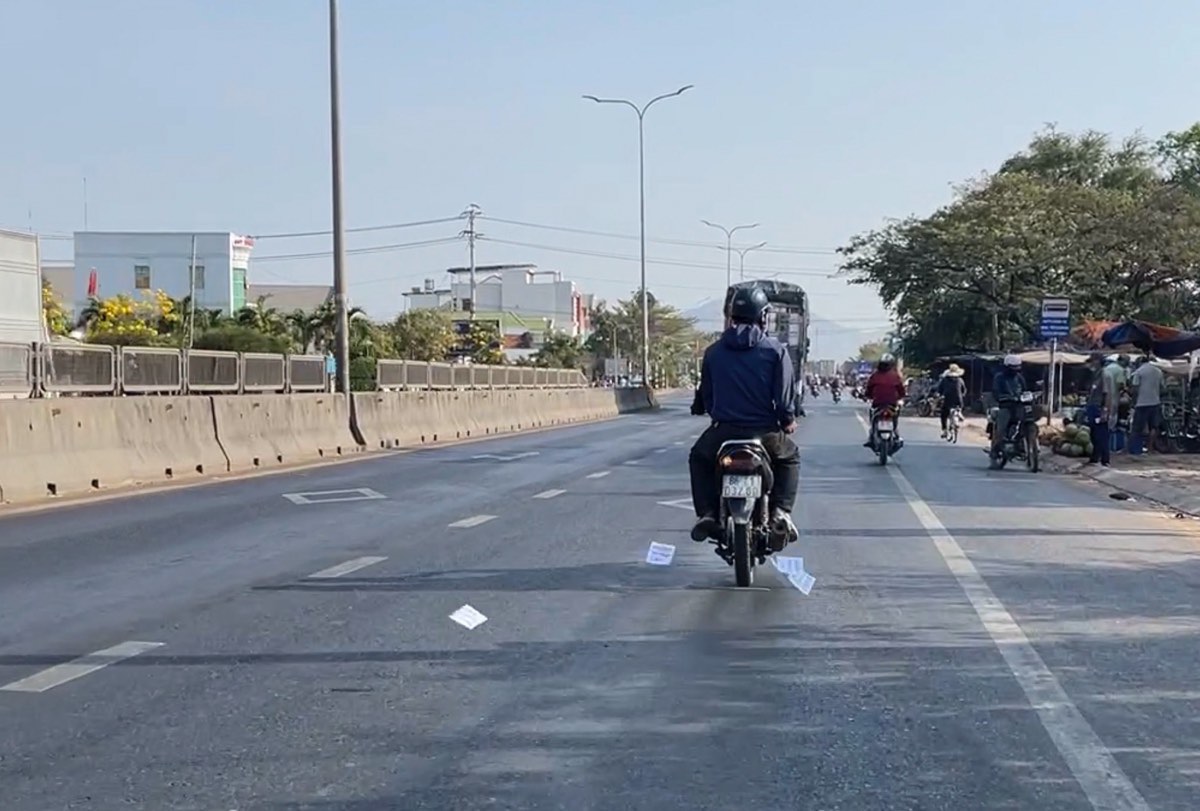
<point>837,395</point>
<point>884,441</point>
<point>746,481</point>
<point>1021,440</point>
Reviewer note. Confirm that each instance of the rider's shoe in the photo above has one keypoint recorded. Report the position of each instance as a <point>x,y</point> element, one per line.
<point>706,526</point>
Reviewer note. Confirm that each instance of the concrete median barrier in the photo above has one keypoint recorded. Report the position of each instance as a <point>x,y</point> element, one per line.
<point>414,418</point>
<point>281,429</point>
<point>72,446</point>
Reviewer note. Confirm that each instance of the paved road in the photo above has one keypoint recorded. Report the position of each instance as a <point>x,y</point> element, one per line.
<point>975,640</point>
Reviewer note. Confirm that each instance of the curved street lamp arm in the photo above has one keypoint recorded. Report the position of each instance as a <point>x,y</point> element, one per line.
<point>678,92</point>
<point>626,102</point>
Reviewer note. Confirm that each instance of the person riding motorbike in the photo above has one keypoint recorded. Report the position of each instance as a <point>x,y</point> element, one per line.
<point>953,392</point>
<point>747,388</point>
<point>835,386</point>
<point>1007,387</point>
<point>885,388</point>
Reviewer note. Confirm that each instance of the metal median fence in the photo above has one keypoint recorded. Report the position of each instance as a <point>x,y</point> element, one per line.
<point>38,370</point>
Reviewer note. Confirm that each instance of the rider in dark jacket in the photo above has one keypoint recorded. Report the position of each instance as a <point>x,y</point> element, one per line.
<point>1007,387</point>
<point>746,384</point>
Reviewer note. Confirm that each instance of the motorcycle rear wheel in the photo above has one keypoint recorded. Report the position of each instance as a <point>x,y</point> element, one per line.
<point>743,561</point>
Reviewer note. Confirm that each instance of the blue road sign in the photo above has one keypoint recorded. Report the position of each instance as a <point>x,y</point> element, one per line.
<point>1056,318</point>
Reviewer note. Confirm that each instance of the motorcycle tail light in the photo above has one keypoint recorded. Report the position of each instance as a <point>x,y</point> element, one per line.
<point>739,461</point>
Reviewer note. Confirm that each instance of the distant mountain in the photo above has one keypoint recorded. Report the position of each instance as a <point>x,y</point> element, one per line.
<point>829,338</point>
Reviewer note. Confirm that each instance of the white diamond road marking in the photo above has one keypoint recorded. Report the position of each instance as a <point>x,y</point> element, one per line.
<point>599,475</point>
<point>468,617</point>
<point>549,493</point>
<point>473,521</point>
<point>346,568</point>
<point>1090,761</point>
<point>332,496</point>
<point>69,671</point>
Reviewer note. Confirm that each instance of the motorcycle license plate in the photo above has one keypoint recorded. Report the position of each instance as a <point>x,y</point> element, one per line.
<point>741,487</point>
<point>883,428</point>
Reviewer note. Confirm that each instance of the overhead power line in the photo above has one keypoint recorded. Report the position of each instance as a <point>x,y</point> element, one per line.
<point>659,240</point>
<point>361,229</point>
<point>812,272</point>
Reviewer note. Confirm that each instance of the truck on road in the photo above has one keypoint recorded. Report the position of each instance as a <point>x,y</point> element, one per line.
<point>22,322</point>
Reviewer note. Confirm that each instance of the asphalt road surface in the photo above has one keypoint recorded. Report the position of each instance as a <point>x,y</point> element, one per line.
<point>974,640</point>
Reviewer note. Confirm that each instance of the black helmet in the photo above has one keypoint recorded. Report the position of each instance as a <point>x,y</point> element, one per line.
<point>749,305</point>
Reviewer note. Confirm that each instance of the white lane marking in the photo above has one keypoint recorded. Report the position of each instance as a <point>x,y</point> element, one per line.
<point>661,450</point>
<point>599,474</point>
<point>468,617</point>
<point>681,503</point>
<point>550,493</point>
<point>680,442</point>
<point>346,568</point>
<point>632,462</point>
<point>473,521</point>
<point>509,458</point>
<point>76,668</point>
<point>1094,767</point>
<point>330,496</point>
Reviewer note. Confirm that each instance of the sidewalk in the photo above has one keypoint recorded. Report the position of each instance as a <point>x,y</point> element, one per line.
<point>1169,479</point>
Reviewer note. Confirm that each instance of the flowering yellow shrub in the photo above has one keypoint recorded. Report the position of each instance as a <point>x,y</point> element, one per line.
<point>124,317</point>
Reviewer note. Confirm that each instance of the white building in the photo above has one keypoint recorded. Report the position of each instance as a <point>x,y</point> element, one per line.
<point>526,301</point>
<point>131,263</point>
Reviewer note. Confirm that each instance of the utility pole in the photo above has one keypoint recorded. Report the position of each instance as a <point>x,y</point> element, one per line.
<point>339,231</point>
<point>191,329</point>
<point>471,234</point>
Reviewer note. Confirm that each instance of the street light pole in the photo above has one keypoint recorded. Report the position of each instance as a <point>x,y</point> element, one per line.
<point>339,233</point>
<point>729,232</point>
<point>641,114</point>
<point>741,252</point>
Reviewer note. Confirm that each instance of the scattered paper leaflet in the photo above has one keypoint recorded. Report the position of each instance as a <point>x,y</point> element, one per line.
<point>468,617</point>
<point>660,554</point>
<point>803,581</point>
<point>793,569</point>
<point>788,565</point>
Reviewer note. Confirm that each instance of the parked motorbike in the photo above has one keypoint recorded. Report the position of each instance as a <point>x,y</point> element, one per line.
<point>746,481</point>
<point>1021,440</point>
<point>884,441</point>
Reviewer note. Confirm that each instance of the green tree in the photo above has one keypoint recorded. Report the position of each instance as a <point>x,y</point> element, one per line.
<point>422,335</point>
<point>483,343</point>
<point>872,351</point>
<point>560,351</point>
<point>1070,215</point>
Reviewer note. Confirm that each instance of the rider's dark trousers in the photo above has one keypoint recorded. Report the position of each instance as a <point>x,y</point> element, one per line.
<point>702,463</point>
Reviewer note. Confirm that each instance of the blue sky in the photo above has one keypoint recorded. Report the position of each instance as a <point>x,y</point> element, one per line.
<point>817,120</point>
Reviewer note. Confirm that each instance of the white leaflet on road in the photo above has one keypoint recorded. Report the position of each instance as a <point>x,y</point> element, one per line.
<point>549,493</point>
<point>803,581</point>
<point>599,474</point>
<point>785,565</point>
<point>468,617</point>
<point>660,554</point>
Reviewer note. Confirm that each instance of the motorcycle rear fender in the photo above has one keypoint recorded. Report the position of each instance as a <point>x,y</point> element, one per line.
<point>741,510</point>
